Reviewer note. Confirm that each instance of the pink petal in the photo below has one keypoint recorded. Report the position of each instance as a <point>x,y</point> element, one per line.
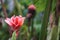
<point>12,21</point>
<point>16,20</point>
<point>21,21</point>
<point>32,7</point>
<point>12,18</point>
<point>8,22</point>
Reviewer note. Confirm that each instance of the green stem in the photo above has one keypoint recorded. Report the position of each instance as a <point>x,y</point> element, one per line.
<point>32,22</point>
<point>43,33</point>
<point>55,31</point>
<point>32,28</point>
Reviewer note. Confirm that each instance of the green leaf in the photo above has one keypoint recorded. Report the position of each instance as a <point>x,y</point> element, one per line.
<point>14,35</point>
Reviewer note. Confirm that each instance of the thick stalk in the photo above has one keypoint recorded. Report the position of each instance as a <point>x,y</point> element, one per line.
<point>55,31</point>
<point>32,26</point>
<point>43,33</point>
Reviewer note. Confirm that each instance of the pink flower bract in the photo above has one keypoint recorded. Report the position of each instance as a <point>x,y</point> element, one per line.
<point>15,22</point>
<point>32,7</point>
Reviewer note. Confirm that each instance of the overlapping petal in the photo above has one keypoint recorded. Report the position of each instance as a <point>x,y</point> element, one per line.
<point>15,22</point>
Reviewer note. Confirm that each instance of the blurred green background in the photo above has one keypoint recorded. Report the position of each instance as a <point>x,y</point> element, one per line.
<point>44,9</point>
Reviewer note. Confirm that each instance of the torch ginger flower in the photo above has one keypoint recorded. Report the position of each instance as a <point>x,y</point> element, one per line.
<point>15,22</point>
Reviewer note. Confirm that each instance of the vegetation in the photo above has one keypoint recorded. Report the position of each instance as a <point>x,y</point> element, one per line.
<point>33,20</point>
